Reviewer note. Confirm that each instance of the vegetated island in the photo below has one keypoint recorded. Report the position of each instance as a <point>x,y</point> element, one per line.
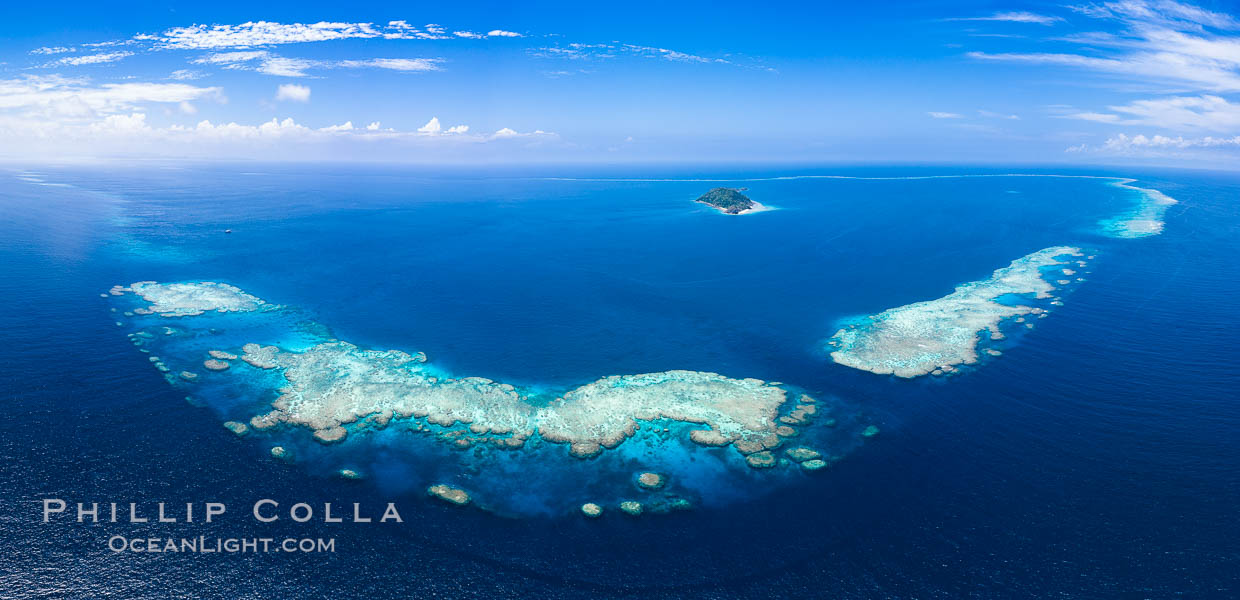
<point>729,201</point>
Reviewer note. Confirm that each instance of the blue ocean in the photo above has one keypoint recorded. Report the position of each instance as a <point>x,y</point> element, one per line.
<point>1095,456</point>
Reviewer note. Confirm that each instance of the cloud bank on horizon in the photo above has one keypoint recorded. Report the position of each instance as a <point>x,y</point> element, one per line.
<point>1124,80</point>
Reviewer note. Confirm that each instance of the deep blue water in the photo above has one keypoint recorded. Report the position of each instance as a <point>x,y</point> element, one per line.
<point>1098,457</point>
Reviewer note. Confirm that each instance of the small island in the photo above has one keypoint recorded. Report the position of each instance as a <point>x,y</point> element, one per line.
<point>729,201</point>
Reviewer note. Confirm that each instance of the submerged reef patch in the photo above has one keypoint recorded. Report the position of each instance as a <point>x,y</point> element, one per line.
<point>936,335</point>
<point>237,428</point>
<point>449,494</point>
<point>651,481</point>
<point>1144,219</point>
<point>631,507</point>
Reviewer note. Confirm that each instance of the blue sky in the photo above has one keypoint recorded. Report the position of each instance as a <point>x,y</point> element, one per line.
<point>1131,81</point>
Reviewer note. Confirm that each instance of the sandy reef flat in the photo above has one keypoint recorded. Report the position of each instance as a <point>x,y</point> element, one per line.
<point>937,335</point>
<point>190,299</point>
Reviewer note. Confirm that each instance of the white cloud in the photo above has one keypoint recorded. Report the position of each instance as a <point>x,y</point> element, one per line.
<point>1181,69</point>
<point>75,97</point>
<point>1163,12</point>
<point>188,108</point>
<point>185,75</point>
<point>93,59</point>
<point>285,67</point>
<point>1205,113</point>
<point>229,58</point>
<point>271,64</point>
<point>672,55</point>
<point>264,33</point>
<point>431,127</point>
<point>1205,150</point>
<point>434,127</point>
<point>260,33</point>
<point>1122,143</point>
<point>133,134</point>
<point>293,92</point>
<point>53,50</point>
<point>1160,41</point>
<point>403,30</point>
<point>1202,149</point>
<point>135,122</point>
<point>1014,17</point>
<point>943,115</point>
<point>259,60</point>
<point>578,51</point>
<point>1093,116</point>
<point>395,64</point>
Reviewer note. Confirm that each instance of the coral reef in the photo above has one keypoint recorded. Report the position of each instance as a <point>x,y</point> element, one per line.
<point>189,299</point>
<point>802,454</point>
<point>263,357</point>
<point>334,384</point>
<point>923,337</point>
<point>631,507</point>
<point>449,494</point>
<point>604,413</point>
<point>651,481</point>
<point>1144,219</point>
<point>335,389</point>
<point>235,427</point>
<point>762,460</point>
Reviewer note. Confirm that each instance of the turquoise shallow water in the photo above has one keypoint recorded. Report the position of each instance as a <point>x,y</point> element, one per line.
<point>1096,455</point>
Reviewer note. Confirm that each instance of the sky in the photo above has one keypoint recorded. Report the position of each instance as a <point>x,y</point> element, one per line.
<point>1122,82</point>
